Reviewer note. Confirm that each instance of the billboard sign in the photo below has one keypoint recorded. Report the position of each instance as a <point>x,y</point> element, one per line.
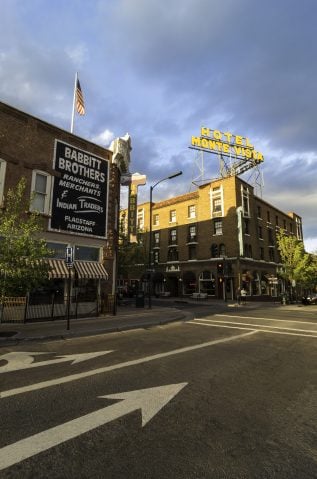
<point>80,192</point>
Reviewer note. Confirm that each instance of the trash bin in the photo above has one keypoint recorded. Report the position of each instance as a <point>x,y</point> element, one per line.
<point>139,299</point>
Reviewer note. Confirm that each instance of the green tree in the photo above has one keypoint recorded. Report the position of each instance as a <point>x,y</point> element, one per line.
<point>298,265</point>
<point>21,248</point>
<point>132,257</point>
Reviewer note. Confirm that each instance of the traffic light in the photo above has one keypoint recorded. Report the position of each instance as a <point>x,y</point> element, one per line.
<point>220,269</point>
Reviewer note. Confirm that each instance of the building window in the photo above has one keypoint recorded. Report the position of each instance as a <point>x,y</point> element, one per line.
<point>222,250</point>
<point>270,237</point>
<point>40,192</point>
<point>3,165</point>
<point>259,211</point>
<point>248,251</point>
<point>207,283</point>
<point>276,220</point>
<point>192,234</point>
<point>173,237</point>
<point>268,214</point>
<point>245,200</point>
<point>260,232</point>
<point>156,238</point>
<point>298,228</point>
<point>217,201</point>
<point>216,205</point>
<point>284,224</point>
<point>156,220</point>
<point>246,227</point>
<point>291,227</point>
<point>140,219</point>
<point>214,250</point>
<point>271,254</point>
<point>87,253</point>
<point>192,252</point>
<point>173,216</point>
<point>261,253</point>
<point>172,254</point>
<point>218,227</point>
<point>58,250</point>
<point>192,211</point>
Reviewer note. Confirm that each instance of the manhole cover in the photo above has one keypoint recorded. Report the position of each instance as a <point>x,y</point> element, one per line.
<point>7,334</point>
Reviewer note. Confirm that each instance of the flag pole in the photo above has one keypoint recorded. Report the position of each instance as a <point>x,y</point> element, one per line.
<point>74,101</point>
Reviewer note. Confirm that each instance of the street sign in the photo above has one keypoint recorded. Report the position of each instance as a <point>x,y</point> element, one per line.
<point>69,256</point>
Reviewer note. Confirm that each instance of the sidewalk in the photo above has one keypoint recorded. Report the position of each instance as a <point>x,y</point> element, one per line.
<point>126,318</point>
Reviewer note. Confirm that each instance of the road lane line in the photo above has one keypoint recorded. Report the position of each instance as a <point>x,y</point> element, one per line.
<point>86,374</point>
<point>260,325</point>
<point>221,325</point>
<point>266,319</point>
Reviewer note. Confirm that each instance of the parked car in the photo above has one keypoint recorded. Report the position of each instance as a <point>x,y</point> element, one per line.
<point>309,300</point>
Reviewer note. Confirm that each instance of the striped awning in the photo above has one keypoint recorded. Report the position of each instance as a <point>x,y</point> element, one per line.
<point>58,269</point>
<point>90,270</point>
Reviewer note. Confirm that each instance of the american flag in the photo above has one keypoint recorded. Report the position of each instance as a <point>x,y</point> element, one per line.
<point>80,104</point>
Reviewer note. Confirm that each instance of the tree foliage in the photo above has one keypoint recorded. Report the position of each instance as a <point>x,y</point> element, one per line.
<point>21,248</point>
<point>298,265</point>
<point>132,257</point>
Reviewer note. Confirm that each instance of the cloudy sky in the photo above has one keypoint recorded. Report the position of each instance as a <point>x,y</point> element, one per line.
<point>159,70</point>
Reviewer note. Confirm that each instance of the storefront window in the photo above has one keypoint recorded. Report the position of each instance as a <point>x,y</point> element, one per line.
<point>57,249</point>
<point>86,253</point>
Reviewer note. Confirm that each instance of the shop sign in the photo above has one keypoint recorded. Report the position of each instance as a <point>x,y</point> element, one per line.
<point>80,192</point>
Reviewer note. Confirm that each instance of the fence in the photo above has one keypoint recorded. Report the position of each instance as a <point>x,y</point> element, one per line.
<point>51,307</point>
<point>12,309</point>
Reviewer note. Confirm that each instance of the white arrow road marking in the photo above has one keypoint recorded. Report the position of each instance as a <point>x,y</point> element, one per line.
<point>150,401</point>
<point>86,374</point>
<point>24,360</point>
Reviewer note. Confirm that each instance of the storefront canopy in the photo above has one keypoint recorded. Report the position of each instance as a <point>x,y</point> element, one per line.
<point>58,269</point>
<point>90,270</point>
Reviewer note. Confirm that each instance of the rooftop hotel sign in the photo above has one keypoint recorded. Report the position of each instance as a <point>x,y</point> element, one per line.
<point>80,192</point>
<point>226,144</point>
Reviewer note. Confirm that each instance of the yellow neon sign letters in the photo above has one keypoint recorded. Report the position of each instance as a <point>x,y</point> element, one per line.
<point>215,140</point>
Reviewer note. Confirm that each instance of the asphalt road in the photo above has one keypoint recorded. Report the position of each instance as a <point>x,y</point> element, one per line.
<point>228,395</point>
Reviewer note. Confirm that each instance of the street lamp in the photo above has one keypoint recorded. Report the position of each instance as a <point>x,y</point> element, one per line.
<point>150,238</point>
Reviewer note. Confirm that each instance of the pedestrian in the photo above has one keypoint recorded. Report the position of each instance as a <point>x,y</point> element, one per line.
<point>238,294</point>
<point>243,296</point>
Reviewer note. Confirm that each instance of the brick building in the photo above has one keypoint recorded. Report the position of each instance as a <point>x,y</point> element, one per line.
<point>215,239</point>
<point>76,187</point>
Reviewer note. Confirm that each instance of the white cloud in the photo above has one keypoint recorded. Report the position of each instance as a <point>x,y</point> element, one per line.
<point>104,138</point>
<point>311,245</point>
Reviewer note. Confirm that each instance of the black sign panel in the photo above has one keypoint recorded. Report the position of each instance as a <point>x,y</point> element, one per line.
<point>132,211</point>
<point>80,192</point>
